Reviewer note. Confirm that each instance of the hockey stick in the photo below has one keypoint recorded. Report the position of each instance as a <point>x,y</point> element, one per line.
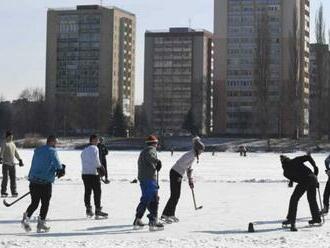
<point>10,204</point>
<point>321,205</point>
<point>195,205</point>
<point>157,179</point>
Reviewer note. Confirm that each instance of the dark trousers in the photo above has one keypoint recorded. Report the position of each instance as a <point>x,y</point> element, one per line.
<point>175,185</point>
<point>92,183</point>
<point>149,200</point>
<point>326,193</point>
<point>104,163</point>
<point>300,189</point>
<point>8,171</point>
<point>39,192</point>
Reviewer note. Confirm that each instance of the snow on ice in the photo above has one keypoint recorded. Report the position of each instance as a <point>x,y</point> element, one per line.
<point>233,191</point>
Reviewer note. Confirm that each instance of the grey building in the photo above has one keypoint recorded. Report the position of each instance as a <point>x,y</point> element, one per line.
<point>319,71</point>
<point>90,66</point>
<point>236,25</point>
<point>178,79</point>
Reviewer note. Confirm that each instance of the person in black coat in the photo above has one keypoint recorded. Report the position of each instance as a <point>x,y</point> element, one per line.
<point>103,152</point>
<point>296,171</point>
<point>326,193</point>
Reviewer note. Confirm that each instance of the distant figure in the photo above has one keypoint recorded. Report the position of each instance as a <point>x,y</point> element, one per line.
<point>242,151</point>
<point>326,193</point>
<point>103,152</point>
<point>7,156</point>
<point>296,171</point>
<point>213,152</point>
<point>172,151</point>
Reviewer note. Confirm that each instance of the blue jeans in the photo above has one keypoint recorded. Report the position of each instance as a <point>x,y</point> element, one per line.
<point>149,200</point>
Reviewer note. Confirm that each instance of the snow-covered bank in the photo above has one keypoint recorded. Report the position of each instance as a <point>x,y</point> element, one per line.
<point>223,221</point>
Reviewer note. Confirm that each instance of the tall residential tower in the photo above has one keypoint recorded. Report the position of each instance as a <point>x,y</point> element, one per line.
<point>236,33</point>
<point>178,79</point>
<point>90,66</point>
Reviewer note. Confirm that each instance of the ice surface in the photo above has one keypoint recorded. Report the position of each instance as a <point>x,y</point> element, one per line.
<point>233,190</point>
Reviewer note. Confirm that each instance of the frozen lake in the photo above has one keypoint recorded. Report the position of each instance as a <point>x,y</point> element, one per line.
<point>233,190</point>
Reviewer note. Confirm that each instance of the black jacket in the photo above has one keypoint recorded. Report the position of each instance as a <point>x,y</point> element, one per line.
<point>103,152</point>
<point>297,171</point>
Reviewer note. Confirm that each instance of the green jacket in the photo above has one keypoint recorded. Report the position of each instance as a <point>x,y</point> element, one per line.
<point>147,164</point>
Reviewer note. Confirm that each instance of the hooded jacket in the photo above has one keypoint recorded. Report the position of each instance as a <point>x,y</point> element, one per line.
<point>297,171</point>
<point>9,152</point>
<point>147,164</point>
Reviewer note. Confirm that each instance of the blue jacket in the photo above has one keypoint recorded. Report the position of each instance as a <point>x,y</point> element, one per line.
<point>44,165</point>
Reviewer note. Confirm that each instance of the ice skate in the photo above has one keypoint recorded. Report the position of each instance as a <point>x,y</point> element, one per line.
<point>287,223</point>
<point>89,212</point>
<point>4,195</point>
<point>315,222</point>
<point>155,226</point>
<point>138,224</point>
<point>174,219</point>
<point>41,226</point>
<point>100,215</point>
<point>26,223</point>
<point>166,219</point>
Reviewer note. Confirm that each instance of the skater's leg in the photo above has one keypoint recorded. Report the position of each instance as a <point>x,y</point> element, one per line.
<point>146,198</point>
<point>12,177</point>
<point>326,194</point>
<point>45,198</point>
<point>153,203</point>
<point>5,172</point>
<point>314,208</point>
<point>175,185</point>
<point>35,198</point>
<point>88,190</point>
<point>296,195</point>
<point>96,186</point>
<point>106,170</point>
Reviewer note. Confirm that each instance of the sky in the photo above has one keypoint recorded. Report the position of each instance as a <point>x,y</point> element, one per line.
<point>23,34</point>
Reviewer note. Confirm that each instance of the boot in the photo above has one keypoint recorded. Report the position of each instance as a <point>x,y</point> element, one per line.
<point>100,215</point>
<point>138,224</point>
<point>316,221</point>
<point>41,226</point>
<point>292,224</point>
<point>89,212</point>
<point>155,226</point>
<point>4,195</point>
<point>26,223</point>
<point>174,219</point>
<point>166,219</point>
<point>15,194</point>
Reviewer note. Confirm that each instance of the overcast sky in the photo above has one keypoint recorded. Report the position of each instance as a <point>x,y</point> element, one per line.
<point>23,33</point>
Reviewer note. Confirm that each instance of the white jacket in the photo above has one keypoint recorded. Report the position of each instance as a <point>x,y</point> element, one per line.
<point>185,162</point>
<point>90,160</point>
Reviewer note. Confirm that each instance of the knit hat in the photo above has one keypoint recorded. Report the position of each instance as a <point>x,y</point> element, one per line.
<point>284,158</point>
<point>9,133</point>
<point>198,144</point>
<point>151,139</point>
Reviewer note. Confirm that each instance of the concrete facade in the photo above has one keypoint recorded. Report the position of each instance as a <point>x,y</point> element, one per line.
<point>90,66</point>
<point>235,33</point>
<point>178,78</point>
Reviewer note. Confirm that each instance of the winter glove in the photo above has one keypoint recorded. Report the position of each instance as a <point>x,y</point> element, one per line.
<point>327,172</point>
<point>20,162</point>
<point>61,173</point>
<point>290,185</point>
<point>158,165</point>
<point>101,171</point>
<point>191,183</point>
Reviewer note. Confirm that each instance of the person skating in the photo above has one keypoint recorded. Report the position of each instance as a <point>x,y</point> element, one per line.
<point>103,152</point>
<point>184,164</point>
<point>148,164</point>
<point>296,171</point>
<point>326,193</point>
<point>44,168</point>
<point>7,155</point>
<point>92,170</point>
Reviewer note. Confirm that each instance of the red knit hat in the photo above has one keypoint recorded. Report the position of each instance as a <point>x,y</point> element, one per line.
<point>151,139</point>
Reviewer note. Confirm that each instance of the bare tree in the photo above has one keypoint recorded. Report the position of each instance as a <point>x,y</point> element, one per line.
<point>320,93</point>
<point>262,72</point>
